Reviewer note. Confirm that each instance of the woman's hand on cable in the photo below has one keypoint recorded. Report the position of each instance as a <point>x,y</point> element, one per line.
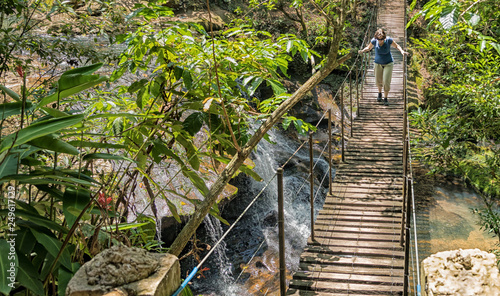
<point>361,51</point>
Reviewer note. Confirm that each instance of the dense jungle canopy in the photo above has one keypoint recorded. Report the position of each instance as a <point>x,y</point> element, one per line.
<point>104,98</point>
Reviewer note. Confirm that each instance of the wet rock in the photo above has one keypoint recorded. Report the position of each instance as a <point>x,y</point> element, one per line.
<point>271,219</point>
<point>469,272</point>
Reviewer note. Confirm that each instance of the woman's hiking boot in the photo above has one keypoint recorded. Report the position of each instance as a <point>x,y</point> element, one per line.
<point>379,98</point>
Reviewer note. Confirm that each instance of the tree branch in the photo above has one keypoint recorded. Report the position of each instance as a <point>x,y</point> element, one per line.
<point>228,172</point>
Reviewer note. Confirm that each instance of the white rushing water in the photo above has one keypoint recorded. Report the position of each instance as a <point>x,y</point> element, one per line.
<point>252,246</point>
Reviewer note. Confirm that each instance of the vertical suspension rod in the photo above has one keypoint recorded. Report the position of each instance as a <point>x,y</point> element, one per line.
<point>350,97</point>
<point>330,149</point>
<point>281,226</point>
<point>311,180</point>
<point>342,119</point>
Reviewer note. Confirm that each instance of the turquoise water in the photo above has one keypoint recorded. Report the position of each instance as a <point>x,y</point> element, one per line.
<point>449,223</point>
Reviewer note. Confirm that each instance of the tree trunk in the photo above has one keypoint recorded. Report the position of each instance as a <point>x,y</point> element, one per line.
<point>226,175</point>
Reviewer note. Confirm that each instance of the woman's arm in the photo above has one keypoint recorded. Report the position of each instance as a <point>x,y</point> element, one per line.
<point>366,49</point>
<point>395,45</point>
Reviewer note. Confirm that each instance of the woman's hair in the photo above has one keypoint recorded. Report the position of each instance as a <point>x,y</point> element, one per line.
<point>380,34</point>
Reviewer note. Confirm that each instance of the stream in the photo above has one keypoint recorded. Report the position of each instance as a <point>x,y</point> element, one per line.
<point>246,263</point>
<point>449,224</point>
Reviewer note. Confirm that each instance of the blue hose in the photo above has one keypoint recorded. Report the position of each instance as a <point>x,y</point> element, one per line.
<point>419,290</point>
<point>186,281</point>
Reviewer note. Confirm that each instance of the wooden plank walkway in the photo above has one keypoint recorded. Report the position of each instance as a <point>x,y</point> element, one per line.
<point>356,250</point>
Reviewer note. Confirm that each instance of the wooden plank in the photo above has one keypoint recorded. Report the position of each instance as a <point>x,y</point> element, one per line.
<point>349,278</point>
<point>328,259</point>
<point>355,202</point>
<point>358,236</point>
<point>352,230</point>
<point>352,270</point>
<point>358,223</point>
<point>340,217</point>
<point>295,292</point>
<point>355,251</point>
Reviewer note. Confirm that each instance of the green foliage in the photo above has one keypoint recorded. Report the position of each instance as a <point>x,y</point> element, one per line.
<point>472,18</point>
<point>77,156</point>
<point>459,129</point>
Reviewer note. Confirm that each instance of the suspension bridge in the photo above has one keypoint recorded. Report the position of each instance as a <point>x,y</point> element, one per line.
<point>356,247</point>
<point>360,241</point>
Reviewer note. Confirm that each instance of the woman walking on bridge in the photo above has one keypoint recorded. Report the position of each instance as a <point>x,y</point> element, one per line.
<point>383,61</point>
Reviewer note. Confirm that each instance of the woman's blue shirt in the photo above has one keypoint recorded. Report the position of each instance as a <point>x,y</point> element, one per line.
<point>383,53</point>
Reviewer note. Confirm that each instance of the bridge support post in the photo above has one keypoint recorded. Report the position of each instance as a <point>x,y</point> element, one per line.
<point>403,213</point>
<point>406,277</point>
<point>281,227</point>
<point>330,149</point>
<point>342,118</point>
<point>350,98</point>
<point>311,180</point>
<point>357,91</point>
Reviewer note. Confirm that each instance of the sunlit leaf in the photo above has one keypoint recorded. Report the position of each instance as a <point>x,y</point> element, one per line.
<point>39,129</point>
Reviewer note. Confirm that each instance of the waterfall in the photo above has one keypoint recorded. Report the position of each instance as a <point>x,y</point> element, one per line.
<point>215,231</point>
<point>250,251</point>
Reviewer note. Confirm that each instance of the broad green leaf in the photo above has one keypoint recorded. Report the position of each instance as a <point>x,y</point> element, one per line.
<point>77,76</point>
<point>36,218</point>
<point>48,178</point>
<point>449,17</point>
<point>255,84</point>
<point>193,123</point>
<point>93,80</point>
<point>77,199</point>
<point>10,93</point>
<point>15,108</point>
<point>187,78</point>
<point>277,87</point>
<point>54,112</point>
<point>137,85</point>
<point>37,130</point>
<point>53,191</point>
<point>53,245</point>
<point>160,148</point>
<point>50,142</point>
<point>65,276</point>
<point>8,266</point>
<point>496,46</point>
<point>28,275</point>
<point>190,151</point>
<point>25,241</point>
<point>124,226</point>
<point>108,156</point>
<point>101,145</point>
<point>118,126</point>
<point>197,181</point>
<point>178,72</point>
<point>9,165</point>
<point>173,210</point>
<point>247,170</point>
<point>216,215</point>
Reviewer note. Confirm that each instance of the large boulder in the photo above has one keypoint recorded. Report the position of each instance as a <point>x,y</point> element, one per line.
<point>121,270</point>
<point>469,272</point>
